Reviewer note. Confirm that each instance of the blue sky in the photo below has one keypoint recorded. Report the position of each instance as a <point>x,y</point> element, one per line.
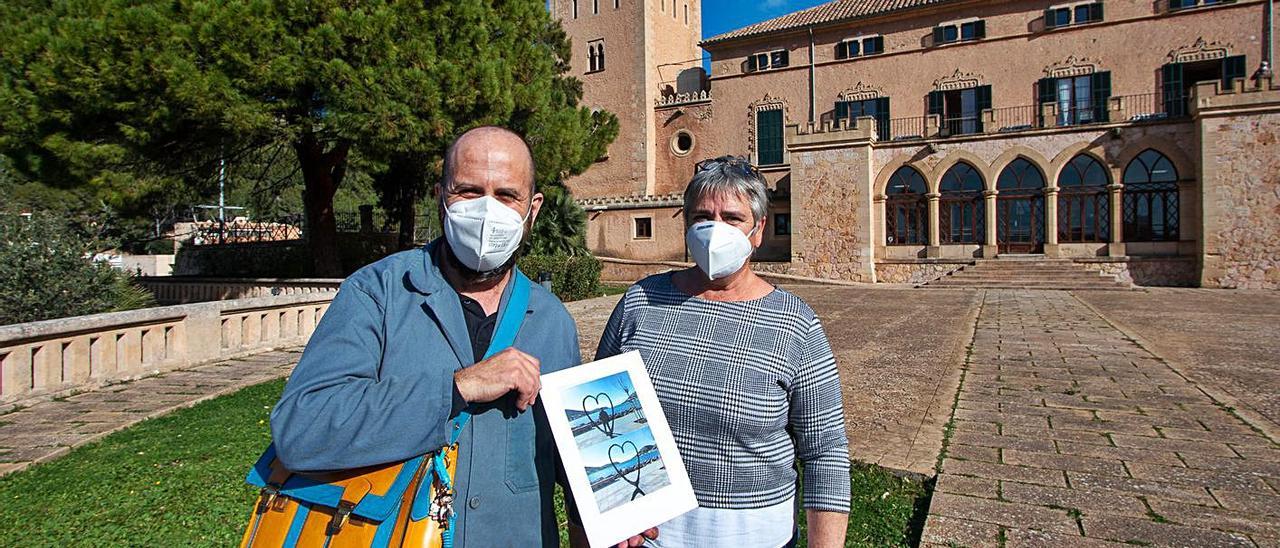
<point>721,16</point>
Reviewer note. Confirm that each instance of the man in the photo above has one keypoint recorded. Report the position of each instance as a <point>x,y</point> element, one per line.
<point>391,363</point>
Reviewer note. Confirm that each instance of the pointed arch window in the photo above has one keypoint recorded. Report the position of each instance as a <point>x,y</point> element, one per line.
<point>906,209</point>
<point>1084,205</point>
<point>962,211</point>
<point>1020,208</point>
<point>1151,205</point>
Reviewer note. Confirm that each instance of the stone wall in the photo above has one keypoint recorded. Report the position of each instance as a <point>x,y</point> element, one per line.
<point>1149,272</point>
<point>1241,169</point>
<point>831,204</point>
<point>916,272</point>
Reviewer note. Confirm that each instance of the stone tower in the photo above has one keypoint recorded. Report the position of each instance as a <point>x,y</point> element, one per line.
<point>626,52</point>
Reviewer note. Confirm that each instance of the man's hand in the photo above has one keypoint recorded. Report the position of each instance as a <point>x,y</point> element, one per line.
<point>507,371</point>
<point>578,537</point>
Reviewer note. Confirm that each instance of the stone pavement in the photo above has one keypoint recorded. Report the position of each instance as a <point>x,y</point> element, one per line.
<point>49,429</point>
<point>1069,433</point>
<point>899,352</point>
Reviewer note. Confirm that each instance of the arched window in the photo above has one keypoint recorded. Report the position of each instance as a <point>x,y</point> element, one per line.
<point>600,56</point>
<point>1084,206</point>
<point>906,210</point>
<point>1151,199</point>
<point>961,211</point>
<point>591,58</point>
<point>1020,208</point>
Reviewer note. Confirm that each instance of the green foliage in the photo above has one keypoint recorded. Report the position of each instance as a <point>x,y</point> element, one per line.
<point>572,277</point>
<point>561,227</point>
<point>46,272</point>
<point>139,99</point>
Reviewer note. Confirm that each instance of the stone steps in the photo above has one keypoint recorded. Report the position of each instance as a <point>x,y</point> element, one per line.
<point>1027,272</point>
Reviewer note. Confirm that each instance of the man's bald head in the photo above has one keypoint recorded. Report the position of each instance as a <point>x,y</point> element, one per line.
<point>493,146</point>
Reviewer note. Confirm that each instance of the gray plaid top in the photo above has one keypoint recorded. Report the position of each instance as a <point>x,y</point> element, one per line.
<point>748,388</point>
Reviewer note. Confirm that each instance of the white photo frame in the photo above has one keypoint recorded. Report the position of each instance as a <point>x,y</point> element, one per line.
<point>619,456</point>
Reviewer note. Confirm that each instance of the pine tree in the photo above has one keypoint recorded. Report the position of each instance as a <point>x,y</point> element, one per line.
<point>133,96</point>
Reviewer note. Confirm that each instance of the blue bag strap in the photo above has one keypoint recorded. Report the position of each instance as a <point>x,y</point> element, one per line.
<point>504,335</point>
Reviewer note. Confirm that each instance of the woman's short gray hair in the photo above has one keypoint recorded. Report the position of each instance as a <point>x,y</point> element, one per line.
<point>732,175</point>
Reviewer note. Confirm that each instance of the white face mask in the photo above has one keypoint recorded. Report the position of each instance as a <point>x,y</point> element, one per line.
<point>483,233</point>
<point>719,249</point>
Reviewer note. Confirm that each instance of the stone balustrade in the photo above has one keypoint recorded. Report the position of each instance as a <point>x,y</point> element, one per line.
<point>55,357</point>
<point>189,289</point>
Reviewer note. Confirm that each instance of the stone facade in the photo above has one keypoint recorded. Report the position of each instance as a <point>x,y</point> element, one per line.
<point>1241,170</point>
<point>915,273</point>
<point>832,183</point>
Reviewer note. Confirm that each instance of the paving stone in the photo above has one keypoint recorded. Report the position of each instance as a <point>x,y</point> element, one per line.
<point>1085,500</point>
<point>1065,462</point>
<point>1255,466</point>
<point>1004,472</point>
<point>1249,501</point>
<point>1178,446</point>
<point>1124,529</point>
<point>1226,479</point>
<point>963,485</point>
<point>973,452</point>
<point>1118,453</point>
<point>1021,538</point>
<point>951,532</point>
<point>1161,489</point>
<point>1006,442</point>
<point>1003,513</point>
<point>1077,436</point>
<point>1250,439</point>
<point>1217,518</point>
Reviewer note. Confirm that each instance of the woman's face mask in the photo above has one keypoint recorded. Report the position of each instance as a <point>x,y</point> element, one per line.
<point>719,249</point>
<point>483,233</point>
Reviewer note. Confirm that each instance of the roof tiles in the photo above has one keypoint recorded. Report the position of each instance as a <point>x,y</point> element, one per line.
<point>838,10</point>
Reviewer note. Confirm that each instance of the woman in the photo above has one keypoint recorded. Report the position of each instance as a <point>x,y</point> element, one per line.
<point>745,375</point>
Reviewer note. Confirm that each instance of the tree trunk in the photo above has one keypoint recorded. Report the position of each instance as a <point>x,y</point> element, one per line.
<point>407,175</point>
<point>322,172</point>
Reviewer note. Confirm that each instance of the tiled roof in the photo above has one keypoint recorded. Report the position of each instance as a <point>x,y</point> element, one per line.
<point>838,10</point>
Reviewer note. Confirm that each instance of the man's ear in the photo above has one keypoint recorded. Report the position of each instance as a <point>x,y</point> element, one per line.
<point>535,205</point>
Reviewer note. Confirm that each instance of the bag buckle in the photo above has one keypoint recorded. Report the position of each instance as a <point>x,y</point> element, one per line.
<point>442,508</point>
<point>266,497</point>
<point>340,517</point>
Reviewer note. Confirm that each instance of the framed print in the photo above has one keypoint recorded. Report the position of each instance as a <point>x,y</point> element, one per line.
<point>618,453</point>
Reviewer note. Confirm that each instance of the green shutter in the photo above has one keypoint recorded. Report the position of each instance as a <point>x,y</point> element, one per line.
<point>751,64</point>
<point>979,29</point>
<point>1095,12</point>
<point>842,111</point>
<point>842,52</point>
<point>882,118</point>
<point>936,103</point>
<point>1175,104</point>
<point>1101,85</point>
<point>938,37</point>
<point>1048,18</point>
<point>769,137</point>
<point>1232,69</point>
<point>982,101</point>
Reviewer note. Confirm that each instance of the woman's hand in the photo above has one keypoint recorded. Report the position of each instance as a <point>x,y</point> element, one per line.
<point>638,540</point>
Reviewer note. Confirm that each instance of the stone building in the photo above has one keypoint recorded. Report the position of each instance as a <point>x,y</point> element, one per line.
<point>905,139</point>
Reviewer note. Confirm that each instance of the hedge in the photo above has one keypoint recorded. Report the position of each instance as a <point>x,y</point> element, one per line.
<point>573,278</point>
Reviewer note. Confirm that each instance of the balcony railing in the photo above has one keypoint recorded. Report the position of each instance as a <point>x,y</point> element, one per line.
<point>905,129</point>
<point>1015,118</point>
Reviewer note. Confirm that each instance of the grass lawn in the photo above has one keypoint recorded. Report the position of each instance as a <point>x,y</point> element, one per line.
<point>179,481</point>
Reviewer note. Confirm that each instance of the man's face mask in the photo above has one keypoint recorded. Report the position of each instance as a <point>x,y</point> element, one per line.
<point>719,249</point>
<point>483,233</point>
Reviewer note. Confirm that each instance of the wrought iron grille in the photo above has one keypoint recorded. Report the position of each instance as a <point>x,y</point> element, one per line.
<point>961,218</point>
<point>1151,212</point>
<point>1084,215</point>
<point>906,220</point>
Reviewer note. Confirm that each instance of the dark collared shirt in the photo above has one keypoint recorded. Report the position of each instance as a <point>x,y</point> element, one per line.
<point>480,329</point>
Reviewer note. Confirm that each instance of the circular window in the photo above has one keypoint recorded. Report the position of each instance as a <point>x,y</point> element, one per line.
<point>682,143</point>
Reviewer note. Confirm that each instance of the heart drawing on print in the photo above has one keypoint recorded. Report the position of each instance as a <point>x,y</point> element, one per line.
<point>623,472</point>
<point>602,421</point>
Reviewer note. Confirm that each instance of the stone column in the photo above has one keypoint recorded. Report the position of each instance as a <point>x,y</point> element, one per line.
<point>879,222</point>
<point>991,246</point>
<point>1116,248</point>
<point>935,228</point>
<point>1051,221</point>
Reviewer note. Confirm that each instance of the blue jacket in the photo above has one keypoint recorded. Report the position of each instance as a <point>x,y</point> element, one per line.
<point>375,385</point>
